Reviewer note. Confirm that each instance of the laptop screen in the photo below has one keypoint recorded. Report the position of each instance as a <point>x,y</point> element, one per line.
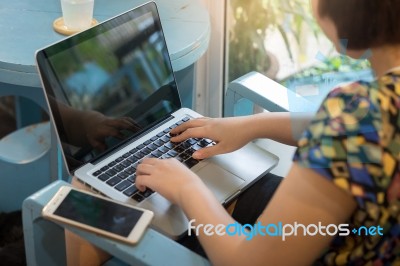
<point>109,84</point>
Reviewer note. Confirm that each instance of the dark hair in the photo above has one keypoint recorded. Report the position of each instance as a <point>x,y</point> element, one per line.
<point>364,23</point>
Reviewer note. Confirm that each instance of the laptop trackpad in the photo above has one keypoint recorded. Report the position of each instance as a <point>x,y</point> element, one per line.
<point>221,182</point>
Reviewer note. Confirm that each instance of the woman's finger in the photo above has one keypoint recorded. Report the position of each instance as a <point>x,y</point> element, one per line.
<point>197,132</point>
<point>144,169</point>
<point>207,152</point>
<point>198,122</point>
<point>142,182</point>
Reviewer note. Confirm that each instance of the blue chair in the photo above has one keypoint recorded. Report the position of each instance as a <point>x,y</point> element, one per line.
<point>25,154</point>
<point>24,164</point>
<point>302,95</point>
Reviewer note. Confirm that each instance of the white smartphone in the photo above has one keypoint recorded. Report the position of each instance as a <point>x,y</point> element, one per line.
<point>98,214</point>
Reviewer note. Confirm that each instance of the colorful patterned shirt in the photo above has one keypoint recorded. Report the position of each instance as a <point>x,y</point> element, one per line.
<point>354,141</point>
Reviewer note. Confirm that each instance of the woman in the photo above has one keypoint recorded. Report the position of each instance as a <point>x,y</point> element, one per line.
<point>345,171</point>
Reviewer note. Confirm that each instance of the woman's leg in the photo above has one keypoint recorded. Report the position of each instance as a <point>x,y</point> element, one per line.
<point>246,209</point>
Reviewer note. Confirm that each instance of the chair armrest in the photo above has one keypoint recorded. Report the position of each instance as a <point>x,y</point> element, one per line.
<point>45,241</point>
<point>266,93</point>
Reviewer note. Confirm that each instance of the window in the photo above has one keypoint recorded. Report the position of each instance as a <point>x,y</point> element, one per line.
<point>280,39</point>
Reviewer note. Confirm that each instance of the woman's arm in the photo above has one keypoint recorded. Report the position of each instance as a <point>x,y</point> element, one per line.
<point>303,197</point>
<point>283,127</point>
<point>233,133</point>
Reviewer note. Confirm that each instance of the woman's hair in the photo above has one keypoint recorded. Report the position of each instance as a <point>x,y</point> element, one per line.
<point>364,23</point>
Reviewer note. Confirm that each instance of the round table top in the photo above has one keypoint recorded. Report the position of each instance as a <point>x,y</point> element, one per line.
<point>26,26</point>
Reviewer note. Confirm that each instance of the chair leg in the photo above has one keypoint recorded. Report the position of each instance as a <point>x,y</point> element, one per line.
<point>44,240</point>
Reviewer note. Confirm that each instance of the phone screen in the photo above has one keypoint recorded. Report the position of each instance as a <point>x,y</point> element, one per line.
<point>98,213</point>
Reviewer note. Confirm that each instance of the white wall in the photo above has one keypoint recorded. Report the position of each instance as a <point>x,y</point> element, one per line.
<point>210,68</point>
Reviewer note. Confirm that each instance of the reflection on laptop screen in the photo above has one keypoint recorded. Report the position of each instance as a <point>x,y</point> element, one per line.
<point>108,84</point>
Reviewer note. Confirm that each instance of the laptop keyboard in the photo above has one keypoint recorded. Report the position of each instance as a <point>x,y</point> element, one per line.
<point>121,173</point>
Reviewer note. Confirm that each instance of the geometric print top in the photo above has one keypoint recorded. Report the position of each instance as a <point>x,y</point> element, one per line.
<point>354,141</point>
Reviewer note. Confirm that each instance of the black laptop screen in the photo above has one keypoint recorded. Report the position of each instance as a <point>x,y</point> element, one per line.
<point>108,84</point>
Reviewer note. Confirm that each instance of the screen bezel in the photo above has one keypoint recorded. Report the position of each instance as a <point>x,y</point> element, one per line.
<point>45,68</point>
<point>133,237</point>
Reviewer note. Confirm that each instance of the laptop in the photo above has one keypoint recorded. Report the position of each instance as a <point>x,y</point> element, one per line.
<point>113,98</point>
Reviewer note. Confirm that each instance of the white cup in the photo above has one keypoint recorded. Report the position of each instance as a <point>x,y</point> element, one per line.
<point>77,14</point>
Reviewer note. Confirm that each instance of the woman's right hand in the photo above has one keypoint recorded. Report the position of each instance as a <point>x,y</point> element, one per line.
<point>229,134</point>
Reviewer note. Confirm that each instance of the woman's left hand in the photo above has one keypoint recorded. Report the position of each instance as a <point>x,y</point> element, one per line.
<point>168,177</point>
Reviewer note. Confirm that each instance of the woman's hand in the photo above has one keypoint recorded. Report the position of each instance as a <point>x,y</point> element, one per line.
<point>229,134</point>
<point>168,177</point>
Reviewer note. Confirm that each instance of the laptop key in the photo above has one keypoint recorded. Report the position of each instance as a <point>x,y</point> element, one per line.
<point>179,149</point>
<point>165,139</point>
<point>139,155</point>
<point>185,119</point>
<point>130,170</point>
<point>172,153</point>
<point>154,138</point>
<point>158,143</point>
<point>190,151</point>
<point>123,175</point>
<point>130,191</point>
<point>209,141</point>
<point>196,147</point>
<point>138,197</point>
<point>185,156</point>
<point>152,147</point>
<point>179,158</point>
<point>163,149</point>
<point>133,151</point>
<point>112,164</point>
<point>126,155</point>
<point>132,178</point>
<point>191,162</point>
<point>186,145</point>
<point>123,185</point>
<point>126,163</point>
<point>119,159</point>
<point>146,193</point>
<point>104,168</point>
<point>113,181</point>
<point>119,168</point>
<point>141,146</point>
<point>147,142</point>
<point>166,156</point>
<point>146,151</point>
<point>111,172</point>
<point>157,154</point>
<point>169,145</point>
<point>104,177</point>
<point>191,141</point>
<point>202,143</point>
<point>131,159</point>
<point>97,173</point>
